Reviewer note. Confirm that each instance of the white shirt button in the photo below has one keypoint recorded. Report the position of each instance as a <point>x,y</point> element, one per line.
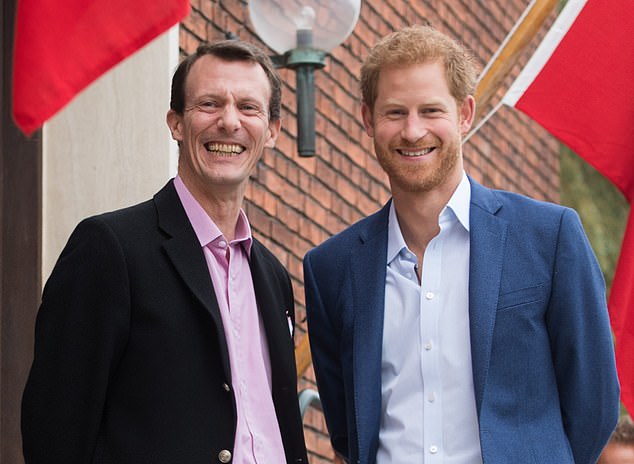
<point>433,449</point>
<point>222,244</point>
<point>431,397</point>
<point>429,295</point>
<point>428,346</point>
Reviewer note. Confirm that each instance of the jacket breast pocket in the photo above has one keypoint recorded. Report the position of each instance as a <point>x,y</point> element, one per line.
<point>521,297</point>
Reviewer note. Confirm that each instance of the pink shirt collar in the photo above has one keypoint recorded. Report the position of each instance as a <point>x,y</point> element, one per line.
<point>205,228</point>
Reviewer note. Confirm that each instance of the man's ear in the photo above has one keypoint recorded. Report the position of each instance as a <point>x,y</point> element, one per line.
<point>368,121</point>
<point>467,113</point>
<point>175,124</point>
<point>274,131</point>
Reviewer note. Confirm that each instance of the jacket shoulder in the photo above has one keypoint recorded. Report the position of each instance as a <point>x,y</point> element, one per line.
<point>362,230</point>
<point>524,211</point>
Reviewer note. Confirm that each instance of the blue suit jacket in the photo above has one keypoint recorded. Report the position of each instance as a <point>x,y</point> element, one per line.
<point>545,381</point>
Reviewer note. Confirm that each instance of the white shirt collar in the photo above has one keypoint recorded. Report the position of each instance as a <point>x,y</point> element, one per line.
<point>460,200</point>
<point>458,204</point>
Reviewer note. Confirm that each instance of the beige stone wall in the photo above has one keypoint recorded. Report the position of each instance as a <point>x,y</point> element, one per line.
<point>110,147</point>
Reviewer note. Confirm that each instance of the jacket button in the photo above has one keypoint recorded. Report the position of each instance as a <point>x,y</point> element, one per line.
<point>226,387</point>
<point>224,456</point>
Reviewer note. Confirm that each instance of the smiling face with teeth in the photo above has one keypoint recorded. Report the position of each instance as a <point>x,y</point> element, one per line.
<point>417,127</point>
<point>225,125</point>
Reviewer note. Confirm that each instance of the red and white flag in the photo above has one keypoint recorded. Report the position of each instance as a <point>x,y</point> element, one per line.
<point>62,46</point>
<point>579,85</point>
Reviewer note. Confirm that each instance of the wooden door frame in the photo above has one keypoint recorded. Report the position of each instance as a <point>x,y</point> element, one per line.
<point>20,250</point>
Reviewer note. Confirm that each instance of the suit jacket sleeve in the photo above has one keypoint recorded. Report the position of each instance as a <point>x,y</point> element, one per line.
<point>326,357</point>
<point>81,330</point>
<point>581,344</point>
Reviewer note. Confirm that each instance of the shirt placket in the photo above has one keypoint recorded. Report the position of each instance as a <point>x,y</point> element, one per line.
<point>430,299</point>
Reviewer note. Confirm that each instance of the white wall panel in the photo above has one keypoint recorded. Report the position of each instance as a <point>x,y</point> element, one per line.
<point>110,147</point>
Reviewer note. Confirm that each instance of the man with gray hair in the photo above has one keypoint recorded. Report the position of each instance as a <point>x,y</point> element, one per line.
<point>165,333</point>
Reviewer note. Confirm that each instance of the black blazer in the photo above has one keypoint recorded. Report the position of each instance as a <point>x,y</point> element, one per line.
<point>131,364</point>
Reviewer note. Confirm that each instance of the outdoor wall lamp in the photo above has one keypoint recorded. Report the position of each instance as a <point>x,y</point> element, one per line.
<point>303,32</point>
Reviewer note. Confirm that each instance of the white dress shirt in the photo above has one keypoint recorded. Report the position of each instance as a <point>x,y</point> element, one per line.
<point>428,402</point>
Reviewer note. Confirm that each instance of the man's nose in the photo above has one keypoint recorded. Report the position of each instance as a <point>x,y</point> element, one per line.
<point>414,129</point>
<point>229,119</point>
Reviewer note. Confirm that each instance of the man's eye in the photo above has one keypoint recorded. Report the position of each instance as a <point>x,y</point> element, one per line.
<point>249,108</point>
<point>395,113</point>
<point>208,105</point>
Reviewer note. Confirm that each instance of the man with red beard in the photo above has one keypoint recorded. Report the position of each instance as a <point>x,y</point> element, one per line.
<point>459,324</point>
<point>165,333</point>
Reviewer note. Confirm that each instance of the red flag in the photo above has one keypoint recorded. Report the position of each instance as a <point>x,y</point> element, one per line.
<point>579,86</point>
<point>62,46</point>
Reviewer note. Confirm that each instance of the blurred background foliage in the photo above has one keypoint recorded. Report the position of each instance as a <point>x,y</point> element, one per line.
<point>602,207</point>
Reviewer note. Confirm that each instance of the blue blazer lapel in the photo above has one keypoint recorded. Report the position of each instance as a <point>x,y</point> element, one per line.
<point>368,298</point>
<point>487,242</point>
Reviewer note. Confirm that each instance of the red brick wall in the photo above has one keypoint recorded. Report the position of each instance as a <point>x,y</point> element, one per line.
<point>295,203</point>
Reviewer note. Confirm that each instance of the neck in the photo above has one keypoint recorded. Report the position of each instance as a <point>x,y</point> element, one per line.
<point>418,214</point>
<point>221,203</point>
<point>224,215</point>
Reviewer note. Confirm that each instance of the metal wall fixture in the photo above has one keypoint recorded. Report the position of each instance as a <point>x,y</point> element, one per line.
<point>302,32</point>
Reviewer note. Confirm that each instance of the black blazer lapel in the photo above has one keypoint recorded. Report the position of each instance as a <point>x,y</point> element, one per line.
<point>274,296</point>
<point>183,249</point>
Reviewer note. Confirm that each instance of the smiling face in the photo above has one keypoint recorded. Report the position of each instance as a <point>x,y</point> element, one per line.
<point>417,128</point>
<point>225,125</point>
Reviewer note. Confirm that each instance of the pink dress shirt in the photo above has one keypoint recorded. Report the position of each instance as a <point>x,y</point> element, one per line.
<point>258,438</point>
